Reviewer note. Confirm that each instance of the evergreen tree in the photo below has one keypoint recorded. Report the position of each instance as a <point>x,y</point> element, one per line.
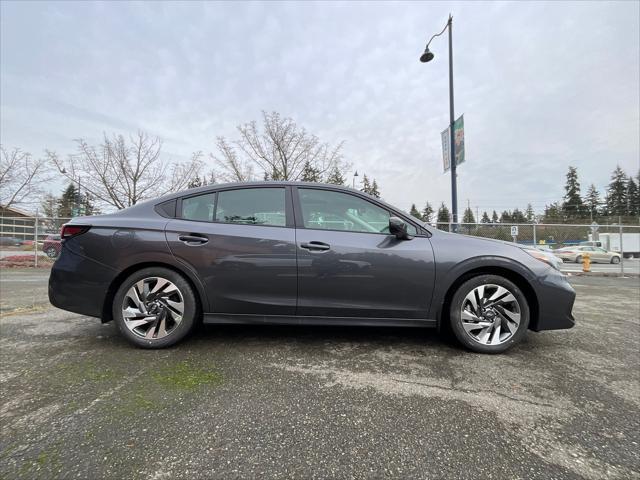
<point>468,216</point>
<point>68,201</point>
<point>196,182</point>
<point>592,201</point>
<point>518,217</point>
<point>310,173</point>
<point>414,212</point>
<point>505,217</point>
<point>485,218</point>
<point>633,198</point>
<point>427,213</point>
<point>49,205</point>
<point>443,214</point>
<point>572,207</point>
<point>529,213</point>
<point>87,206</point>
<point>335,177</point>
<point>374,189</point>
<point>617,193</point>
<point>366,185</point>
<point>552,213</point>
<point>494,217</point>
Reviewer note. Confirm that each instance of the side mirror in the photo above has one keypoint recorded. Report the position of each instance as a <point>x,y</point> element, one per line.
<point>398,228</point>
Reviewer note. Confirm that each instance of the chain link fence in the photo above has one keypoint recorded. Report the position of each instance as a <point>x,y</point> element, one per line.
<point>29,241</point>
<point>35,241</point>
<point>624,239</point>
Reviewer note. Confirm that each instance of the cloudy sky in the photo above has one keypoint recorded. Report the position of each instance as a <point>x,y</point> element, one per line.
<point>542,85</point>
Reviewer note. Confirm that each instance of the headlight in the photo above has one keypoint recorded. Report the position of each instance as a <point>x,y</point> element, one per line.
<point>537,254</point>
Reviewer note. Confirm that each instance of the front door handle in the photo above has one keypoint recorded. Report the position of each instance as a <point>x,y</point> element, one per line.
<point>316,246</point>
<point>193,239</point>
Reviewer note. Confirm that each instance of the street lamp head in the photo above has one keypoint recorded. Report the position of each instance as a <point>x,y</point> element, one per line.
<point>427,56</point>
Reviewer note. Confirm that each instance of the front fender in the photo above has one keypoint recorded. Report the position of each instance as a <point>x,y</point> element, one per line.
<point>447,276</point>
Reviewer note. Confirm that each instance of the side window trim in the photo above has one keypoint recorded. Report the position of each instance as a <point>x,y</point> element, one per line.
<point>299,220</point>
<point>178,215</point>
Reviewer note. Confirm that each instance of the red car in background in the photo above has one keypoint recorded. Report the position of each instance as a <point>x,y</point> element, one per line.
<point>51,246</point>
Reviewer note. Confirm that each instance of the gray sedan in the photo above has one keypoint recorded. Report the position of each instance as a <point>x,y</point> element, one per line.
<point>299,253</point>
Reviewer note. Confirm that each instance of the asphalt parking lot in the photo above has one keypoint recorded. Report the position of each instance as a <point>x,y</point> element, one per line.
<point>293,402</point>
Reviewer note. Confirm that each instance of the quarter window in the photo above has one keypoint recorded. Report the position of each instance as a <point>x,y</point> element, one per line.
<point>252,206</point>
<point>329,210</point>
<point>199,208</point>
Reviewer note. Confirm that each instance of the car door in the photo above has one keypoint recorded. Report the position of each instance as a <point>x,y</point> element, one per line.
<point>601,255</point>
<point>241,243</point>
<point>350,266</point>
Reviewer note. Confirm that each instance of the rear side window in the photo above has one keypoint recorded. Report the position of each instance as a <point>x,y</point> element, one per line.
<point>199,208</point>
<point>252,206</point>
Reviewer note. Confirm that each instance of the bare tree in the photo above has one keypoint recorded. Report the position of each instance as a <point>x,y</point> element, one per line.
<point>121,173</point>
<point>21,177</point>
<point>232,168</point>
<point>281,149</point>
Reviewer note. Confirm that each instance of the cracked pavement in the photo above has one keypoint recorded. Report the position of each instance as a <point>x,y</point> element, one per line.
<point>77,401</point>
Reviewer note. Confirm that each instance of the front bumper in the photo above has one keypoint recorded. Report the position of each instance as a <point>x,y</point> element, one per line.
<point>555,302</point>
<point>78,284</point>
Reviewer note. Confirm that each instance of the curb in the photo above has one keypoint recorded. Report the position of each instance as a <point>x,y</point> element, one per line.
<point>602,274</point>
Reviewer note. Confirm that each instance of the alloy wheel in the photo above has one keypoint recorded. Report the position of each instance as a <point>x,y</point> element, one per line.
<point>490,314</point>
<point>153,308</point>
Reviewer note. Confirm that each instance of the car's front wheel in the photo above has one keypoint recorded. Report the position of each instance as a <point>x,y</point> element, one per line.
<point>155,308</point>
<point>51,252</point>
<point>489,314</point>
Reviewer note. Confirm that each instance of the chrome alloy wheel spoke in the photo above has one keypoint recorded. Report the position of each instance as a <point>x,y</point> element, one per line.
<point>490,314</point>
<point>152,308</point>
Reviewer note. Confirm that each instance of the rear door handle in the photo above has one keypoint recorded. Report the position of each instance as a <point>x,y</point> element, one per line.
<point>193,239</point>
<point>316,246</point>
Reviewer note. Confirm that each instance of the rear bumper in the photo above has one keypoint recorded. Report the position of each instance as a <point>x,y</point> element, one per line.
<point>555,303</point>
<point>77,284</point>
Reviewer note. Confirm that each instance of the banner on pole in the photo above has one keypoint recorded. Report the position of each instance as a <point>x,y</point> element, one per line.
<point>458,129</point>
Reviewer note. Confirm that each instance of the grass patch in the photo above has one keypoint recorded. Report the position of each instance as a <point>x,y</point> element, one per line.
<point>48,460</point>
<point>184,376</point>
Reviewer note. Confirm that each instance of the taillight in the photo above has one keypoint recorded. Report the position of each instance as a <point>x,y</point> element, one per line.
<point>69,231</point>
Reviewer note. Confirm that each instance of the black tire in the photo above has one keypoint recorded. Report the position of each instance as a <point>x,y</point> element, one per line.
<point>51,252</point>
<point>615,260</point>
<point>455,314</point>
<point>579,259</point>
<point>189,316</point>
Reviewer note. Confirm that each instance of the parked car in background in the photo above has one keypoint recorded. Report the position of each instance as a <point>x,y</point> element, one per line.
<point>10,242</point>
<point>52,246</point>
<point>596,254</point>
<point>303,254</point>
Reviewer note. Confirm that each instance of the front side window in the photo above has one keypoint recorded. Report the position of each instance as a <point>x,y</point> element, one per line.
<point>252,206</point>
<point>199,208</point>
<point>329,210</point>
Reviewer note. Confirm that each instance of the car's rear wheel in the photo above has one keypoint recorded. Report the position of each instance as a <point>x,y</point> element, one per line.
<point>155,308</point>
<point>615,260</point>
<point>51,252</point>
<point>579,259</point>
<point>489,314</point>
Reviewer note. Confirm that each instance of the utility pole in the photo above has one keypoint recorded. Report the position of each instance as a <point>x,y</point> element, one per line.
<point>427,56</point>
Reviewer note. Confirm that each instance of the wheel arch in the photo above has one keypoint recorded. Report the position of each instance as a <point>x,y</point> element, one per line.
<point>521,282</point>
<point>107,313</point>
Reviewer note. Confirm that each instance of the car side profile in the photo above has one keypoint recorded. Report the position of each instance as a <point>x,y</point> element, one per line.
<point>299,253</point>
<point>596,254</point>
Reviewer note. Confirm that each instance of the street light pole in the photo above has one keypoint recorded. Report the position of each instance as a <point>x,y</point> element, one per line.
<point>427,56</point>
